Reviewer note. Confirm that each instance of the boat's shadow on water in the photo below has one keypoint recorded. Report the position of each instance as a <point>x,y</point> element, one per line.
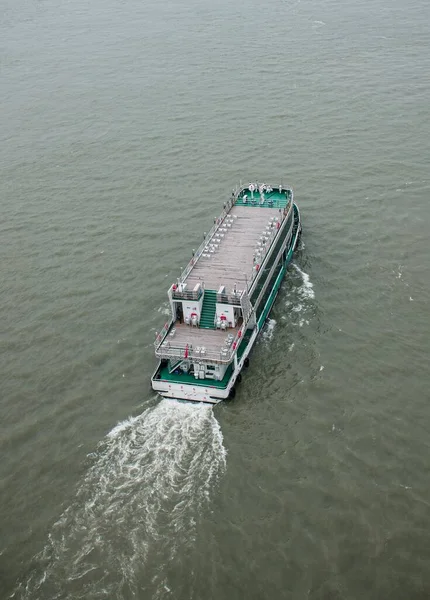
<point>136,509</point>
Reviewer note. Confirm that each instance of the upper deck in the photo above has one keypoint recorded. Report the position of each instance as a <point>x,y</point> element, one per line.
<point>236,246</point>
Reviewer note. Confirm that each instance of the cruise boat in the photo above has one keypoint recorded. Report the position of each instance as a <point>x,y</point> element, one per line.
<point>222,299</point>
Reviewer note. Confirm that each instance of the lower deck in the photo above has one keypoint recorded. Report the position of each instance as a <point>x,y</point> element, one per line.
<point>177,376</point>
<point>201,342</point>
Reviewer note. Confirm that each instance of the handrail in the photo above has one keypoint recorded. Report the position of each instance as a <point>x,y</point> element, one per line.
<point>246,305</point>
<point>272,270</point>
<point>275,239</point>
<point>224,298</point>
<point>186,350</point>
<point>159,336</point>
<point>243,188</point>
<point>187,294</point>
<point>218,222</point>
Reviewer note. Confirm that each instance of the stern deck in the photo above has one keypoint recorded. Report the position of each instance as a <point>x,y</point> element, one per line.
<point>212,340</point>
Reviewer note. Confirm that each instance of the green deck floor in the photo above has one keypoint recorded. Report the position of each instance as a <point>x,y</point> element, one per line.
<point>279,200</point>
<point>188,379</point>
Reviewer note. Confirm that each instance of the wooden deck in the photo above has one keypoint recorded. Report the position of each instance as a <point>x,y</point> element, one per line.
<point>211,340</point>
<point>228,259</point>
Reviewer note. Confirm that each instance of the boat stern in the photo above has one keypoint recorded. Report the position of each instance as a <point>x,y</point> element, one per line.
<point>188,392</point>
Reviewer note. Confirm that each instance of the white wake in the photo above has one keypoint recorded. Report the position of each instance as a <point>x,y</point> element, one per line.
<point>136,509</point>
<point>268,330</point>
<point>300,299</point>
<point>307,288</point>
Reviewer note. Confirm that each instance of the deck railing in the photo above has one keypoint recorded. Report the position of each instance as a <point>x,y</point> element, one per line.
<point>159,336</point>
<point>187,294</point>
<point>198,354</point>
<point>184,351</point>
<point>232,298</point>
<point>272,270</point>
<point>285,214</point>
<point>218,222</point>
<point>171,349</point>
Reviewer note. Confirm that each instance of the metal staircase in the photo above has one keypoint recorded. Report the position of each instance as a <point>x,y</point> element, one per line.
<point>207,317</point>
<point>246,306</point>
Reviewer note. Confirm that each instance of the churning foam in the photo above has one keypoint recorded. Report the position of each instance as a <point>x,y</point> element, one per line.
<point>136,508</point>
<point>307,287</point>
<point>268,329</point>
<point>299,302</point>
